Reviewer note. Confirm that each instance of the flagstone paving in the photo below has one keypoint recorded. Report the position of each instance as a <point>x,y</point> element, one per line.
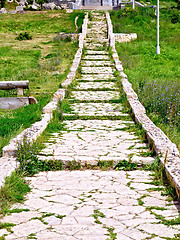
<point>92,204</point>
<point>95,204</point>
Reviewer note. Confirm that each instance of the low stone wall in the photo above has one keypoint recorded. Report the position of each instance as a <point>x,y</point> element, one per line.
<point>164,148</point>
<point>123,37</point>
<point>72,36</point>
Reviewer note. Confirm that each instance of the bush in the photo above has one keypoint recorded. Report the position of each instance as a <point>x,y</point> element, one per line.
<point>175,18</point>
<point>24,36</point>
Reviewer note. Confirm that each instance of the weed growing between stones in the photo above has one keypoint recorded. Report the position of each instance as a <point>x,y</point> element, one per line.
<point>32,236</point>
<point>98,214</point>
<point>105,165</point>
<point>126,166</point>
<point>13,190</point>
<point>6,226</point>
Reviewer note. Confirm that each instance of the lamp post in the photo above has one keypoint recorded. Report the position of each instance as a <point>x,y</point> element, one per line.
<point>158,47</point>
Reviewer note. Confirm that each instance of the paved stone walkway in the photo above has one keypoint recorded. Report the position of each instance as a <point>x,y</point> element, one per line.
<point>94,204</point>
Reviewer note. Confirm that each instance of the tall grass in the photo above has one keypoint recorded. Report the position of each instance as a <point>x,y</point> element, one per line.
<point>154,77</point>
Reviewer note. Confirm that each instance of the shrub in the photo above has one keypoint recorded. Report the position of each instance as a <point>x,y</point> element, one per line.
<point>24,36</point>
<point>175,18</point>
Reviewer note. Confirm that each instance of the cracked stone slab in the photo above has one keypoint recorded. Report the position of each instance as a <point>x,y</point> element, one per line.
<point>96,57</point>
<point>97,109</point>
<point>101,76</point>
<point>91,141</point>
<point>97,70</point>
<point>89,52</point>
<point>95,95</point>
<point>96,63</point>
<point>96,85</point>
<point>71,204</point>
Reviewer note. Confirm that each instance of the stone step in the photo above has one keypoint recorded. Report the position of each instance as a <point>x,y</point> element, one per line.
<point>93,77</point>
<point>95,95</point>
<point>98,70</point>
<point>95,40</point>
<point>96,85</point>
<point>96,57</point>
<point>96,63</point>
<point>95,46</point>
<point>91,141</point>
<point>97,52</point>
<point>96,109</point>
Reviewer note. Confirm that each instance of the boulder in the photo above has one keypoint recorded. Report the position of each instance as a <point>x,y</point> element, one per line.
<point>3,10</point>
<point>49,6</point>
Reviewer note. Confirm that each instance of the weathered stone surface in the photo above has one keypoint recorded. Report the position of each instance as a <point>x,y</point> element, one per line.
<point>68,208</point>
<point>89,204</point>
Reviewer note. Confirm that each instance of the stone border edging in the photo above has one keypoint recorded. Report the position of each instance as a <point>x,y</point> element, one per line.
<point>8,159</point>
<point>168,152</point>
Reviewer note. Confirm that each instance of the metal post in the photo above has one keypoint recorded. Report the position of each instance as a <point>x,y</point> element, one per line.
<point>133,4</point>
<point>158,47</point>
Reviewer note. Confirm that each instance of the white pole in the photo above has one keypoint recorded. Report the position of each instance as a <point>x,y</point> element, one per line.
<point>133,4</point>
<point>158,47</point>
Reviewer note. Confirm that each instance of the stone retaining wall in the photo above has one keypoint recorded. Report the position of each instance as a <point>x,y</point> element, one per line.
<point>164,148</point>
<point>123,37</point>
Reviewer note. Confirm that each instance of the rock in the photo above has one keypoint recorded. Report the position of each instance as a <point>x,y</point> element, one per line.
<point>19,9</point>
<point>64,6</point>
<point>3,10</point>
<point>49,6</point>
<point>23,3</point>
<point>69,10</point>
<point>58,8</point>
<point>35,6</point>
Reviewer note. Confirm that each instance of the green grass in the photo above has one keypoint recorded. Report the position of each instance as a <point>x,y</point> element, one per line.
<point>12,191</point>
<point>43,22</point>
<point>42,60</point>
<point>155,78</point>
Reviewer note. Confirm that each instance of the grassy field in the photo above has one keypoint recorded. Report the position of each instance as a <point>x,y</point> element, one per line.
<point>43,61</point>
<point>156,78</point>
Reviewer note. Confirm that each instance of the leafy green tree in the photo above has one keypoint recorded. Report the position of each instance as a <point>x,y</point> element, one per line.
<point>178,4</point>
<point>2,2</point>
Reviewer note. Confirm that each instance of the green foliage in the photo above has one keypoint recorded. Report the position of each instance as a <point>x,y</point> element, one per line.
<point>175,18</point>
<point>60,216</point>
<point>14,189</point>
<point>24,36</point>
<point>6,225</point>
<point>116,73</point>
<point>125,165</point>
<point>2,3</point>
<point>26,156</point>
<point>105,165</point>
<point>73,165</point>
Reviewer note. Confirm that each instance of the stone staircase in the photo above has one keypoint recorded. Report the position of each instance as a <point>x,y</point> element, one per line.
<point>94,204</point>
<point>95,125</point>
